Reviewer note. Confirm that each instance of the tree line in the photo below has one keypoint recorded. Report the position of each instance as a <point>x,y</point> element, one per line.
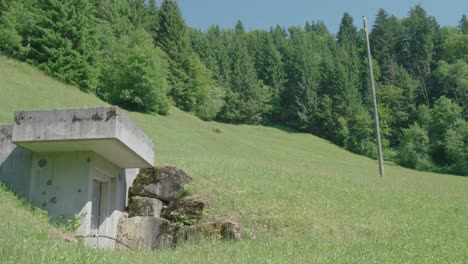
<point>143,57</point>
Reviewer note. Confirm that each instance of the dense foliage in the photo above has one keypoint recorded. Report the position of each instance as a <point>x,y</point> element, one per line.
<point>144,57</point>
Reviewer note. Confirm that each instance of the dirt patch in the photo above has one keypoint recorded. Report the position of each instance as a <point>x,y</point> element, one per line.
<point>216,130</point>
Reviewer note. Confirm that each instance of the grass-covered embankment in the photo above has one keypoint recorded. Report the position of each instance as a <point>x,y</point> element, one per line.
<point>300,198</point>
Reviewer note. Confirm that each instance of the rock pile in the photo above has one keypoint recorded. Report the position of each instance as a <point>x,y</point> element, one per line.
<point>160,217</point>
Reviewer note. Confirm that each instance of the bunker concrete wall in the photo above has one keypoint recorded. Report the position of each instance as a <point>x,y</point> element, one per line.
<point>131,135</point>
<point>107,131</point>
<point>69,124</point>
<point>113,195</point>
<point>59,183</point>
<point>15,163</point>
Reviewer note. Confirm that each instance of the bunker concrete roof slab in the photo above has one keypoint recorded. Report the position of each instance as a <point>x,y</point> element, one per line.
<point>107,131</point>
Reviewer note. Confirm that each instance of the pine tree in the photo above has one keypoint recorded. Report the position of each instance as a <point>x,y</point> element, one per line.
<point>300,98</point>
<point>219,61</point>
<point>270,69</point>
<point>247,98</point>
<point>384,38</point>
<point>152,25</point>
<point>115,16</point>
<point>63,43</point>
<point>463,24</point>
<point>347,33</point>
<point>17,20</point>
<point>173,38</point>
<point>319,28</point>
<point>418,46</point>
<point>138,13</point>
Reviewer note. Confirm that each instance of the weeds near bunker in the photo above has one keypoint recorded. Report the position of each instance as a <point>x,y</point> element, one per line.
<point>74,223</point>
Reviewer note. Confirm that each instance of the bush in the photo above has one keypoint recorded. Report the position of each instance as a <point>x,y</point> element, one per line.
<point>414,148</point>
<point>208,97</point>
<point>10,41</point>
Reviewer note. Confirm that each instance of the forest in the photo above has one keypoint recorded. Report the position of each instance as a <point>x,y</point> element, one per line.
<point>142,56</point>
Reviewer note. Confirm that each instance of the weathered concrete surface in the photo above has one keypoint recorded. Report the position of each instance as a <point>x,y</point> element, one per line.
<point>144,206</point>
<point>106,131</point>
<point>76,162</point>
<point>164,182</point>
<point>15,163</point>
<point>62,184</point>
<point>145,232</point>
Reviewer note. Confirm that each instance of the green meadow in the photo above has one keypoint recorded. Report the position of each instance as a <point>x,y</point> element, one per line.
<point>300,198</point>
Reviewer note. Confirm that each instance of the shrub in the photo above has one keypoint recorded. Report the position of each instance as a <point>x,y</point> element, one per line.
<point>414,148</point>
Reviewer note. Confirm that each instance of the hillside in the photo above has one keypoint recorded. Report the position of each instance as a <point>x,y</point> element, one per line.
<point>300,198</point>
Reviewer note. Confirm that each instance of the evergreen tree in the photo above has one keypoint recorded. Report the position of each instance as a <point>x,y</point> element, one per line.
<point>17,19</point>
<point>63,42</point>
<point>219,61</point>
<point>418,46</point>
<point>173,38</point>
<point>138,13</point>
<point>463,24</point>
<point>202,47</point>
<point>270,69</point>
<point>152,23</point>
<point>279,35</point>
<point>319,28</point>
<point>384,38</point>
<point>347,33</point>
<point>300,98</point>
<point>188,79</point>
<point>116,15</point>
<point>246,99</point>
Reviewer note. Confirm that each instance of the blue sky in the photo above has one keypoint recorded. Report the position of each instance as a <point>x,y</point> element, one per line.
<point>261,14</point>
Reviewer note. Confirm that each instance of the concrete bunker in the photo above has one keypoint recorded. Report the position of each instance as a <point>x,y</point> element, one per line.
<point>76,162</point>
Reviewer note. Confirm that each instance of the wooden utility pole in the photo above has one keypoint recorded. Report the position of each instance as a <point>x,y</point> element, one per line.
<point>374,101</point>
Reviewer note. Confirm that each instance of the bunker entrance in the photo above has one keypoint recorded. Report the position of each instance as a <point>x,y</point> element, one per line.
<point>101,207</point>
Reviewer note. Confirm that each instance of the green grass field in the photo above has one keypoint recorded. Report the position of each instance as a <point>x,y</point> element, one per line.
<point>300,198</point>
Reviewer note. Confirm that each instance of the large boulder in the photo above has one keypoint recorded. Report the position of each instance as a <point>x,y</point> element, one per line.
<point>165,183</point>
<point>144,206</point>
<point>145,232</point>
<point>186,210</point>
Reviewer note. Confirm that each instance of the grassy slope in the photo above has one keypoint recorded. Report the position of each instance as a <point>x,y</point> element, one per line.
<point>300,198</point>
